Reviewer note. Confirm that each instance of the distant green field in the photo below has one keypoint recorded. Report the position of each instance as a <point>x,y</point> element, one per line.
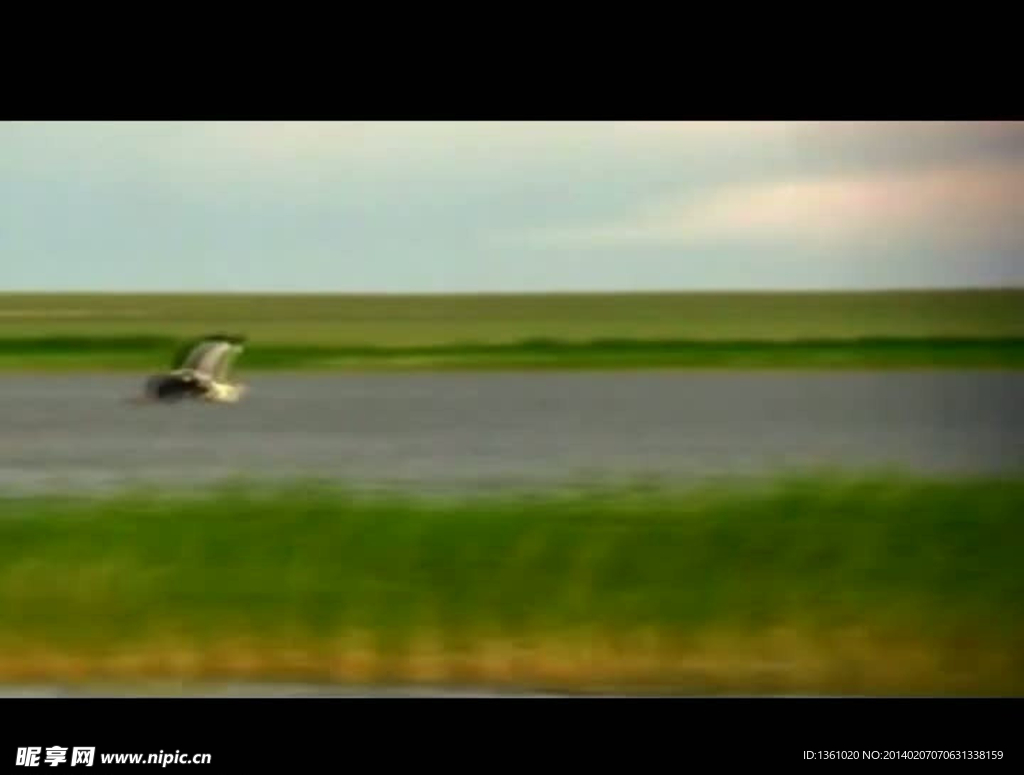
<point>825,583</point>
<point>958,328</point>
<point>401,321</point>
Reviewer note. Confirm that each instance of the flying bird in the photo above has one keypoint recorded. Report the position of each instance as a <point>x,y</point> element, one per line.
<point>200,371</point>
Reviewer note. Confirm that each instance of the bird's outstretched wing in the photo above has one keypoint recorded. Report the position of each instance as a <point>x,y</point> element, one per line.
<point>211,356</point>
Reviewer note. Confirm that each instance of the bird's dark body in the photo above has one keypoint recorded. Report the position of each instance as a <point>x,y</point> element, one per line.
<point>173,387</point>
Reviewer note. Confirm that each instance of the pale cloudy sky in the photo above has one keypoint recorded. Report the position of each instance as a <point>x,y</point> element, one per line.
<point>506,206</point>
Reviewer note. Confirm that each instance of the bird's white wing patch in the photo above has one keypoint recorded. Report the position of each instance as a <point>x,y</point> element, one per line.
<point>225,360</point>
<point>207,357</point>
<point>195,356</point>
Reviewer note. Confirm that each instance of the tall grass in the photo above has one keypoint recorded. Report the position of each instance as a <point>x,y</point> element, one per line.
<point>813,584</point>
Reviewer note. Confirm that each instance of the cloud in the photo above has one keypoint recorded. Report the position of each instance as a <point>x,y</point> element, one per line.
<point>409,147</point>
<point>572,165</point>
<point>413,204</point>
<point>969,206</point>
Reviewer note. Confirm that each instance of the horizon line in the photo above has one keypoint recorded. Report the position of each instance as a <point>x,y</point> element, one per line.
<point>554,292</point>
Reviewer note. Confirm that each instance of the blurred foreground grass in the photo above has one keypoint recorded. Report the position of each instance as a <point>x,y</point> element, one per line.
<point>816,584</point>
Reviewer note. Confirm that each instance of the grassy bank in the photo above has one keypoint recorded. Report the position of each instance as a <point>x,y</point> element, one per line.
<point>153,352</point>
<point>815,584</point>
<point>418,321</point>
<point>925,329</point>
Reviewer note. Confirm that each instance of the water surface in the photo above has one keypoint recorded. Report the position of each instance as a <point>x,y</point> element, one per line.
<point>442,430</point>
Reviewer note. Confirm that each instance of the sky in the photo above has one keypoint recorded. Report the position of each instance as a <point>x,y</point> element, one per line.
<point>434,207</point>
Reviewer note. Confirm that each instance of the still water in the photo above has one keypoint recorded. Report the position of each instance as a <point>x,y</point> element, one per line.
<point>444,430</point>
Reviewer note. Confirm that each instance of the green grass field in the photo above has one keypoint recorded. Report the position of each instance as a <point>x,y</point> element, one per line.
<point>972,328</point>
<point>816,584</point>
<point>536,331</point>
<point>403,321</point>
<point>147,353</point>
